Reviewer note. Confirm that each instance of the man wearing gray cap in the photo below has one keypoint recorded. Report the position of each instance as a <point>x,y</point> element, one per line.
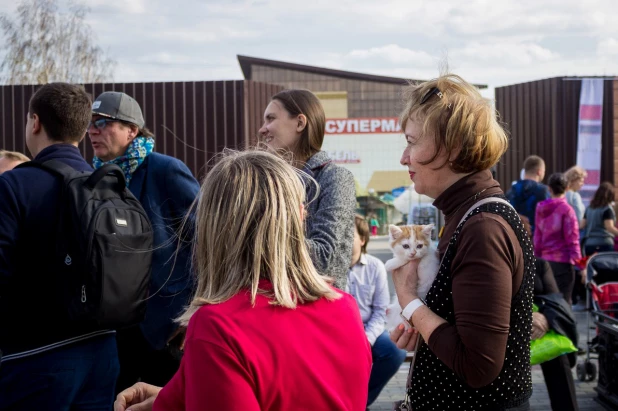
<point>166,188</point>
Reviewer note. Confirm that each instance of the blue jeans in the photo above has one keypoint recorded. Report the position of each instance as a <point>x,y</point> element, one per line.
<point>387,359</point>
<point>80,376</point>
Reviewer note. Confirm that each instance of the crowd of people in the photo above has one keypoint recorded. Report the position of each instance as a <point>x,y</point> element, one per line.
<point>262,294</point>
<point>563,231</point>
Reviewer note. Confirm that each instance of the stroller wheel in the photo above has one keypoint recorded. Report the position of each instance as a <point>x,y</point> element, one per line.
<point>586,371</point>
<point>591,371</point>
<point>581,372</point>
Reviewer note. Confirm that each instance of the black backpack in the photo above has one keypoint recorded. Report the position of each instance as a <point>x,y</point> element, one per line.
<point>104,247</point>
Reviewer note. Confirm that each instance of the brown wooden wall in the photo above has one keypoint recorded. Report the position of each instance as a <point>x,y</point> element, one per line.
<point>542,117</point>
<point>192,121</point>
<point>615,151</point>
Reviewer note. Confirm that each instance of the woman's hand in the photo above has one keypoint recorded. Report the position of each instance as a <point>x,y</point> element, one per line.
<point>405,280</point>
<point>404,339</point>
<point>139,397</point>
<point>539,326</point>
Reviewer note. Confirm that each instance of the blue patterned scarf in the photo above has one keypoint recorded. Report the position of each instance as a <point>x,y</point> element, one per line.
<point>137,151</point>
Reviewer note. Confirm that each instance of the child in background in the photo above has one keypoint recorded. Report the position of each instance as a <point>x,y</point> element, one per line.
<point>368,285</point>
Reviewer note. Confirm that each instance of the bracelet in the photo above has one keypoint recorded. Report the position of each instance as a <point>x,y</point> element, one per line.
<point>408,311</point>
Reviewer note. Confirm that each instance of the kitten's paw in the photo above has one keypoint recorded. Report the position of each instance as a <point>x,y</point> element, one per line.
<point>392,264</point>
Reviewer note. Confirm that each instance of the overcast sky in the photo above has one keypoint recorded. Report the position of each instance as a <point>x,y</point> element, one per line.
<point>489,42</point>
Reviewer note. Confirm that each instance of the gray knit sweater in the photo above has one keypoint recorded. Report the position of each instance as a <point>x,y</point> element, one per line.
<point>330,217</point>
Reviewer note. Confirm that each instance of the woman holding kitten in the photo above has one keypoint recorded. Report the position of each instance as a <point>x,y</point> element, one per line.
<point>475,322</point>
<point>265,330</point>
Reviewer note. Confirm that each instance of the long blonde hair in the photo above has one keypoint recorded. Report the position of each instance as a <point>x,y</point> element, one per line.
<point>249,226</point>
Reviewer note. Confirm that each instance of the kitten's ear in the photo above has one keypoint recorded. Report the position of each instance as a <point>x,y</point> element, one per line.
<point>394,232</point>
<point>427,229</point>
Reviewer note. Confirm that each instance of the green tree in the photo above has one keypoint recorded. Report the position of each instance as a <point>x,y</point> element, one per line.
<point>44,45</point>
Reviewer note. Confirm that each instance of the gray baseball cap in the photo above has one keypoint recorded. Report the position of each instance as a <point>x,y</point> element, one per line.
<point>119,106</point>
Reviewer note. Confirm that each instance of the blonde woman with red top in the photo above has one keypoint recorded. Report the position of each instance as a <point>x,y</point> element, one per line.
<point>265,331</point>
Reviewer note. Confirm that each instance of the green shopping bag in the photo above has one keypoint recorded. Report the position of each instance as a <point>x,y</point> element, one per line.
<point>550,346</point>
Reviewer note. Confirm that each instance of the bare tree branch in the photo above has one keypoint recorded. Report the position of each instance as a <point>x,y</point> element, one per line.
<point>43,45</point>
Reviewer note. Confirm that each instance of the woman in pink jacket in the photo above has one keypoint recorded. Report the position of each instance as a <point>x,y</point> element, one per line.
<point>556,238</point>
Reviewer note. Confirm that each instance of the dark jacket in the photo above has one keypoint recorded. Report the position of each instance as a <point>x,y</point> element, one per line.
<point>525,195</point>
<point>166,188</point>
<point>552,304</point>
<point>31,308</point>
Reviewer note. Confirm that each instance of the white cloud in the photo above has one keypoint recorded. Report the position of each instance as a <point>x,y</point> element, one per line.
<point>506,53</point>
<point>151,69</point>
<point>480,62</point>
<point>478,17</point>
<point>607,47</point>
<point>121,6</point>
<point>487,41</point>
<point>186,36</point>
<point>203,35</point>
<point>392,53</point>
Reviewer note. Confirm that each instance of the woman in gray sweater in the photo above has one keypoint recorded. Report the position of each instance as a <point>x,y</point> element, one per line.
<point>294,122</point>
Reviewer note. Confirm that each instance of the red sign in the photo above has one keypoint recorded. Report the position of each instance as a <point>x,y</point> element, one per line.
<point>378,125</point>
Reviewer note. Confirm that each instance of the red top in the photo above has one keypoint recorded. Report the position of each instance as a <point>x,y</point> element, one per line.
<point>266,357</point>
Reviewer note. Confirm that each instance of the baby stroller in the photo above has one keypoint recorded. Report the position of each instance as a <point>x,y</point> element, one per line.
<point>602,300</point>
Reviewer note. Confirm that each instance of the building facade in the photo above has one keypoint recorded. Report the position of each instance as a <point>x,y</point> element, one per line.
<point>349,94</point>
<point>542,118</point>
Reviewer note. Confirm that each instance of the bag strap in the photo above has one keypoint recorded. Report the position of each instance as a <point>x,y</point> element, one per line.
<point>470,210</point>
<point>53,166</point>
<point>482,202</point>
<point>101,172</point>
<point>474,207</point>
<point>59,168</point>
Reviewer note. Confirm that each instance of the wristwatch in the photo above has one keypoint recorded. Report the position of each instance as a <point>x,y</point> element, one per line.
<point>408,311</point>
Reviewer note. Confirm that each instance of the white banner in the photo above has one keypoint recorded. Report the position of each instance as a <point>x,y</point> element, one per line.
<point>589,134</point>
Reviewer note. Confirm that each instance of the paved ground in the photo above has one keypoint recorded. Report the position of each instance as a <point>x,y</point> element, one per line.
<point>539,401</point>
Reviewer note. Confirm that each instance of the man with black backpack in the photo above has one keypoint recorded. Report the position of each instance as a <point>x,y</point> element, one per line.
<point>61,226</point>
<point>166,188</point>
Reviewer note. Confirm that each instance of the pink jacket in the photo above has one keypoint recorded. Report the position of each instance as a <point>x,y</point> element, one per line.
<point>556,237</point>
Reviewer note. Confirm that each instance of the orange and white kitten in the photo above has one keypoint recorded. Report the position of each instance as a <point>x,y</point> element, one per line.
<point>411,242</point>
